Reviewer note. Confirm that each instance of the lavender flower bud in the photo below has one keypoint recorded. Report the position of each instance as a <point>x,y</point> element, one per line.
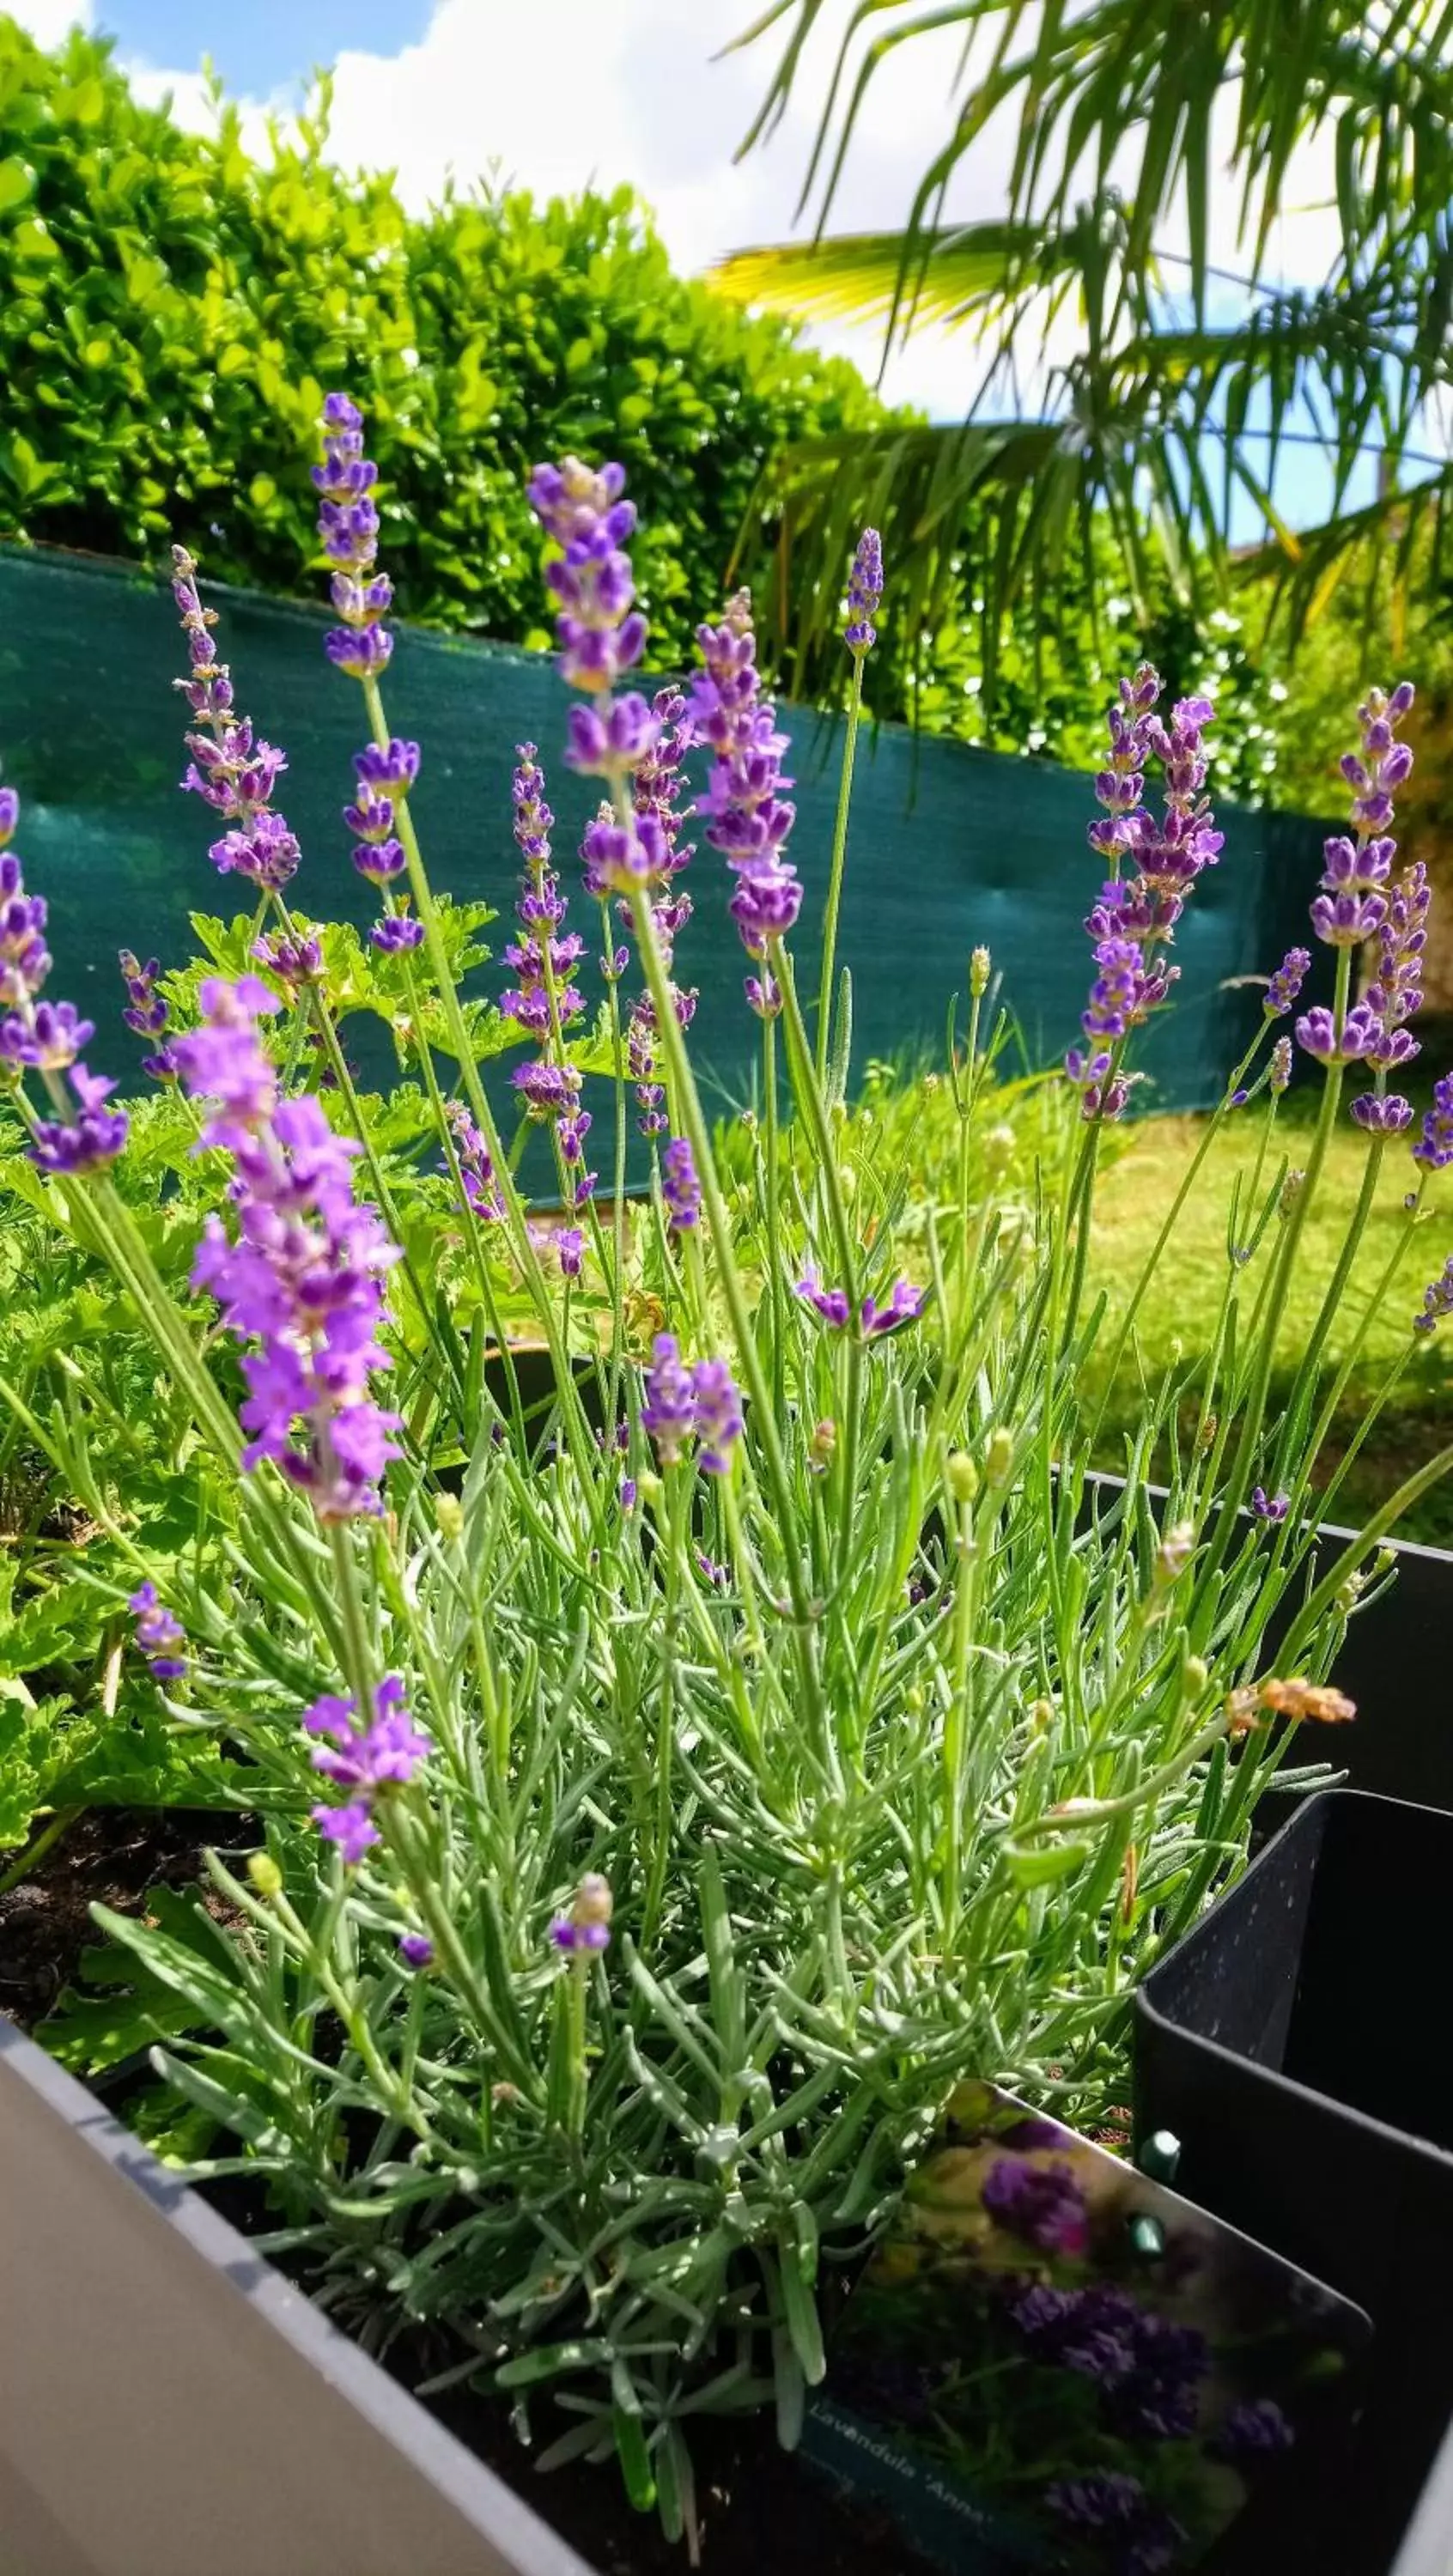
<point>158,1633</point>
<point>1437,1301</point>
<point>669,1411</point>
<point>1279,1069</point>
<point>1434,1150</point>
<point>679,1185</point>
<point>1318,1035</point>
<point>348,527</point>
<point>1286,983</point>
<point>865,590</point>
<point>1174,1552</point>
<point>586,1927</point>
<point>1382,1116</point>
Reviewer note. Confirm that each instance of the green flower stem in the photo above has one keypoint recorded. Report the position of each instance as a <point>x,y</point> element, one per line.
<point>277,1916</point>
<point>835,875</point>
<point>35,1852</point>
<point>683,1479</point>
<point>1304,1383</point>
<point>1239,1479</point>
<point>618,1221</point>
<point>571,1406</point>
<point>807,1093</point>
<point>958,1723</point>
<point>776,1285</point>
<point>1324,1594</point>
<point>719,1224</point>
<point>472,1227</point>
<point>398,1832</point>
<point>1157,1251</point>
<point>1071,1817</point>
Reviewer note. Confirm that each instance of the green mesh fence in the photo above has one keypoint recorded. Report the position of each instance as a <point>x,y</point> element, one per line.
<point>949,846</point>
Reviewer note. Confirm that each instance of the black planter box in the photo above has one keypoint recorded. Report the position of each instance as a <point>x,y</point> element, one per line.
<point>1297,2044</point>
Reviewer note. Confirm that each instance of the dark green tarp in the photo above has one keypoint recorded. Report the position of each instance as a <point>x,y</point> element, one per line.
<point>949,846</point>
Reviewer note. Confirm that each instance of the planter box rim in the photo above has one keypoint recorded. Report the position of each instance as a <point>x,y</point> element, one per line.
<point>512,2535</point>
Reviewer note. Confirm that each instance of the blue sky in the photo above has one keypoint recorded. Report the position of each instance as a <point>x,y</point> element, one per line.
<point>260,46</point>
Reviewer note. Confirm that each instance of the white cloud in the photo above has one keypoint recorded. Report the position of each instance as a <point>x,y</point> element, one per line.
<point>49,20</point>
<point>552,94</point>
<point>556,94</point>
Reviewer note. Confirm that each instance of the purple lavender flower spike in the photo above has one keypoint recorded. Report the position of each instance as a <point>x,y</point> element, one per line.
<point>1318,1036</point>
<point>1437,1300</point>
<point>1269,1507</point>
<point>1120,787</point>
<point>765,906</point>
<point>600,632</point>
<point>680,1187</point>
<point>1279,1066</point>
<point>865,590</point>
<point>383,1754</point>
<point>1383,763</point>
<point>1385,1116</point>
<point>1286,983</point>
<point>830,1303</point>
<point>350,1827</point>
<point>390,769</point>
<point>641,1067</point>
<point>158,1634</point>
<point>1113,2511</point>
<point>1397,992</point>
<point>1347,920</point>
<point>750,819</point>
<point>904,1306</point>
<point>396,934</point>
<point>1131,915</point>
<point>764,995</point>
<point>232,769</point>
<point>297,961</point>
<point>92,1140</point>
<point>416,1950</point>
<point>543,1002</point>
<point>718,1415</point>
<point>669,1411</point>
<point>1256,2429</point>
<point>348,528</point>
<point>476,1169</point>
<point>304,1275</point>
<point>1043,2204</point>
<point>1171,855</point>
<point>47,1035</point>
<point>50,1038</point>
<point>1433,1151</point>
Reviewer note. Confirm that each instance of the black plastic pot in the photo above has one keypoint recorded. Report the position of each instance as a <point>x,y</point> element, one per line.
<point>1297,2044</point>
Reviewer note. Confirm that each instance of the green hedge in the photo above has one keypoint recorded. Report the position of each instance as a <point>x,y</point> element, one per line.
<point>172,310</point>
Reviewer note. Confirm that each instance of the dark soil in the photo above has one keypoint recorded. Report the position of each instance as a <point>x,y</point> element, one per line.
<point>762,2511</point>
<point>109,1856</point>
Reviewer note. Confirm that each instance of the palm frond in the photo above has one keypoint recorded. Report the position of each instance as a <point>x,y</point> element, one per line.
<point>1135,88</point>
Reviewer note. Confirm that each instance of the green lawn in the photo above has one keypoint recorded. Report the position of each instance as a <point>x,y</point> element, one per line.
<point>1183,1301</point>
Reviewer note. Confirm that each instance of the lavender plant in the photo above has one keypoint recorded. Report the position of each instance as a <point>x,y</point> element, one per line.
<point>660,1819</point>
